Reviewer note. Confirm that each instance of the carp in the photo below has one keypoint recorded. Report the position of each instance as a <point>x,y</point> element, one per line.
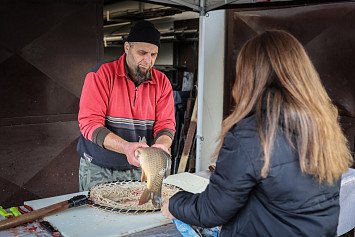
<point>155,164</point>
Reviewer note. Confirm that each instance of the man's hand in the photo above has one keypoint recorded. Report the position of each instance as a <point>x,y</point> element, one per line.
<point>163,142</point>
<point>129,148</point>
<point>115,143</point>
<point>161,146</point>
<point>165,211</point>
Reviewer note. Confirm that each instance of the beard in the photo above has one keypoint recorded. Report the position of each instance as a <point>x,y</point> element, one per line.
<point>141,75</point>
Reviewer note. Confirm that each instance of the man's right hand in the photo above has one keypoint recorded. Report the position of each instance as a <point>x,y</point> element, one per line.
<point>115,143</point>
<point>129,148</point>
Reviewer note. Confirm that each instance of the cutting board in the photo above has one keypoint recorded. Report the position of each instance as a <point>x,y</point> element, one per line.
<point>91,222</point>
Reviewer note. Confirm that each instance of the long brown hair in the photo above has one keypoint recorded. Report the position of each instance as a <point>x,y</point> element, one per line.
<point>276,79</point>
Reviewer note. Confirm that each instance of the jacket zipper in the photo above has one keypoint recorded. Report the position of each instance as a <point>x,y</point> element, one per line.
<point>135,95</point>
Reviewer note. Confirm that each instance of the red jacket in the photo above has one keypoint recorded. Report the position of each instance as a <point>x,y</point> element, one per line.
<point>110,99</point>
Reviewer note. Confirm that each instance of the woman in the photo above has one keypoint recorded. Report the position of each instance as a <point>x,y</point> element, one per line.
<point>281,152</point>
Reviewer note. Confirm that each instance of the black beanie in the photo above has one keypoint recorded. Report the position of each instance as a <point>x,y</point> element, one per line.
<point>144,31</point>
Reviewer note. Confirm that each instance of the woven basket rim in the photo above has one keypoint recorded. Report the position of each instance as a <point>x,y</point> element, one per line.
<point>124,183</point>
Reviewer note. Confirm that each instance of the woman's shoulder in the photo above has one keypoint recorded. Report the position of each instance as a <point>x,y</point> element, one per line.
<point>245,127</point>
<point>245,135</point>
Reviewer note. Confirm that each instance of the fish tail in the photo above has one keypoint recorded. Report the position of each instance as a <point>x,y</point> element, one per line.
<point>157,200</point>
<point>145,197</point>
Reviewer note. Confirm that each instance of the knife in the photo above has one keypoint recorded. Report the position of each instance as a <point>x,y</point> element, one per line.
<point>42,212</point>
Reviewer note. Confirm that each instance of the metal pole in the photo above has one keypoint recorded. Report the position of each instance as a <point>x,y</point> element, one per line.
<point>200,81</point>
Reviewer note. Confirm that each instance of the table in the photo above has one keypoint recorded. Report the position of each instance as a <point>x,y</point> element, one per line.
<point>89,221</point>
<point>166,228</point>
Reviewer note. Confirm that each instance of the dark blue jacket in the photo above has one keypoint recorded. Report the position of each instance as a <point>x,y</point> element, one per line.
<point>286,203</point>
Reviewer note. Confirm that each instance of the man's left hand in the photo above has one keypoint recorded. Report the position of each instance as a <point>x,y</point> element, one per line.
<point>161,146</point>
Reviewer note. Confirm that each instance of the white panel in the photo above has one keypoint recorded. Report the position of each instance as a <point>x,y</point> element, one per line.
<point>213,83</point>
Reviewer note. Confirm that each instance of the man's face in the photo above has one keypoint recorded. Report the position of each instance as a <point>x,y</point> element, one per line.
<point>140,58</point>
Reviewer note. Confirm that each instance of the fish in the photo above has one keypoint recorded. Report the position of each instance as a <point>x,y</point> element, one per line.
<point>155,164</point>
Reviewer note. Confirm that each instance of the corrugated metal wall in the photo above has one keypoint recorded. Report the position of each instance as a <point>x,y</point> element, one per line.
<point>327,31</point>
<point>46,48</point>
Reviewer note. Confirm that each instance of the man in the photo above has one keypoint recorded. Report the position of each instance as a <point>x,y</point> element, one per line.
<point>125,104</point>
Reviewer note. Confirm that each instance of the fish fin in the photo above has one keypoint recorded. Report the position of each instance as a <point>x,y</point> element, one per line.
<point>143,176</point>
<point>145,197</point>
<point>168,168</point>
